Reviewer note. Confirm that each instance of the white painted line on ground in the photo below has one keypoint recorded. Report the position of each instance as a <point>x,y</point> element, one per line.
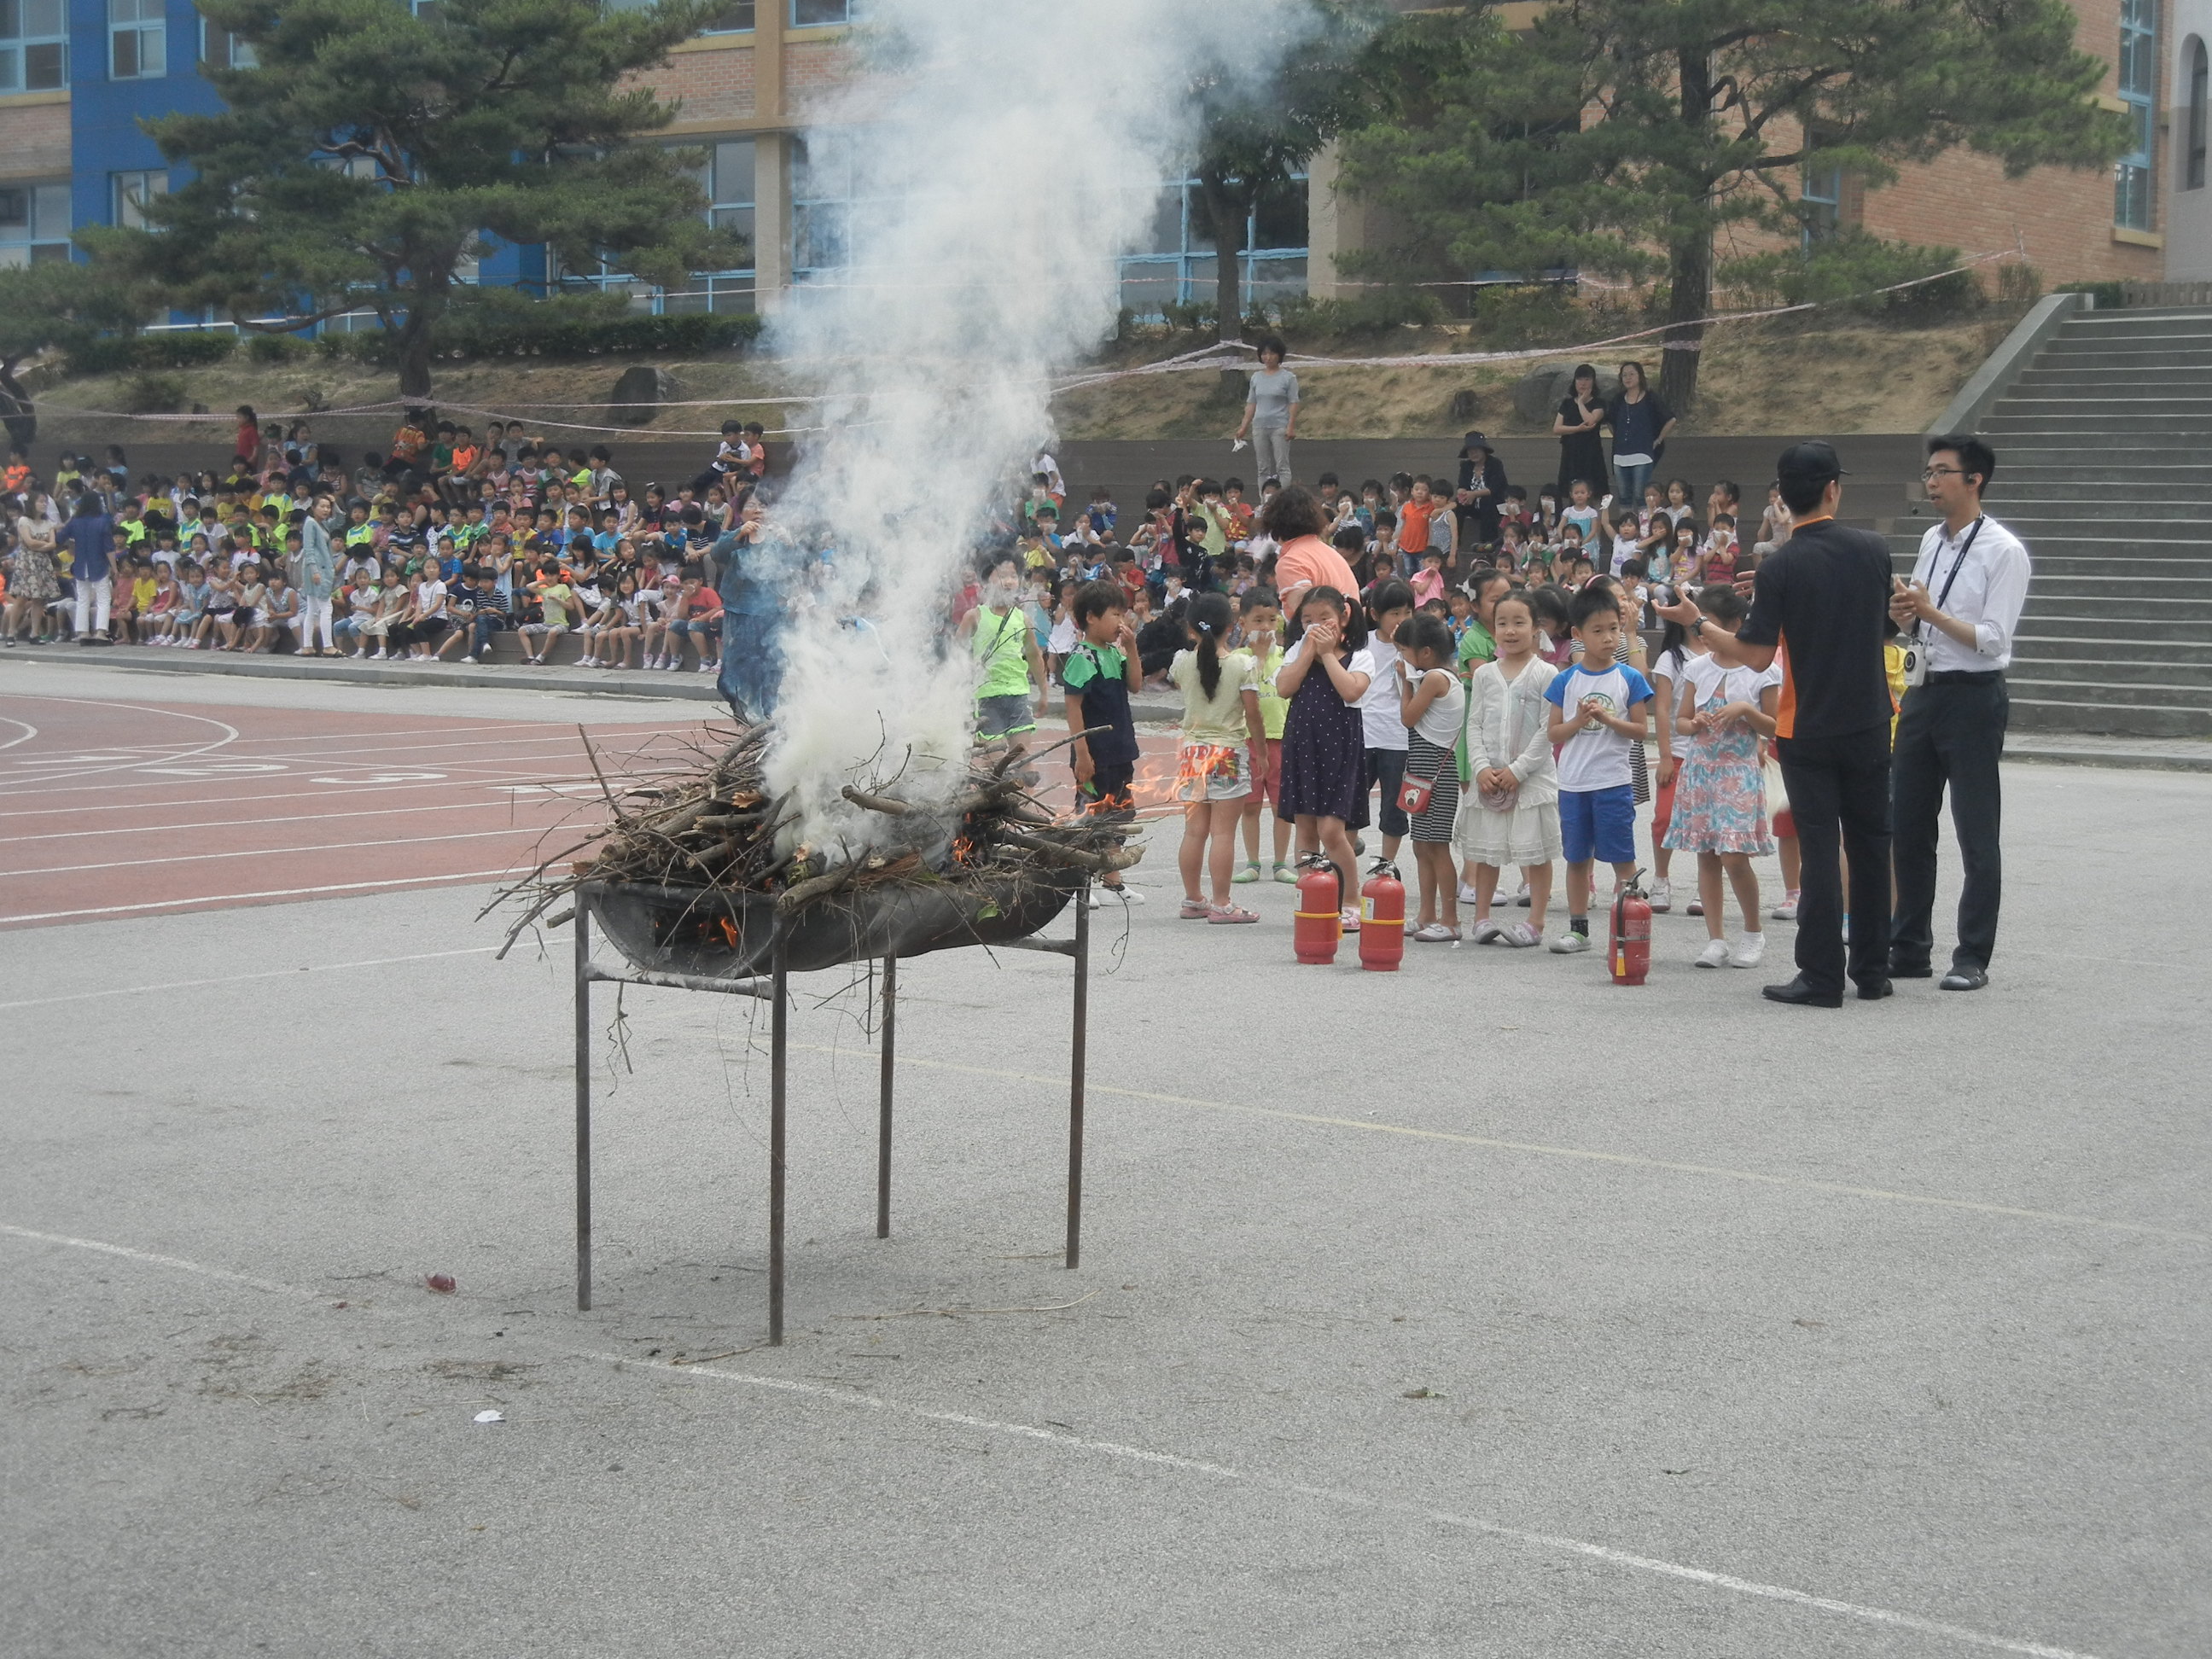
<point>29,732</point>
<point>297,817</point>
<point>241,898</point>
<point>230,735</point>
<point>1538,1149</point>
<point>271,852</point>
<point>241,979</point>
<point>483,782</point>
<point>1120,1451</point>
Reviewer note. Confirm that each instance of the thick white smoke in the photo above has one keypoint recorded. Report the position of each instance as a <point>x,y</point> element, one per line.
<point>1005,154</point>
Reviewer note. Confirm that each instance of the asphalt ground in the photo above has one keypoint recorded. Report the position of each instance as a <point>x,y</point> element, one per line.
<point>1482,1309</point>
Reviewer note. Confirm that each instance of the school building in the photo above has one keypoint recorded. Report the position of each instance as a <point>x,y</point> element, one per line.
<point>76,76</point>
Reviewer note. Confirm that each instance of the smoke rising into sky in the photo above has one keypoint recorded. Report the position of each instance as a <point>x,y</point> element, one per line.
<point>1000,158</point>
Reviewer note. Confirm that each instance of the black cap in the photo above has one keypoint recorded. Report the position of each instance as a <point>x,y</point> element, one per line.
<point>1814,463</point>
<point>1474,441</point>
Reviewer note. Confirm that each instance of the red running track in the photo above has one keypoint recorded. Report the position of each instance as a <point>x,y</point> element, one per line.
<point>113,810</point>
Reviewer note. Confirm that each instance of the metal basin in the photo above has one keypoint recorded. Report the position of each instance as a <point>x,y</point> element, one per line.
<point>718,934</point>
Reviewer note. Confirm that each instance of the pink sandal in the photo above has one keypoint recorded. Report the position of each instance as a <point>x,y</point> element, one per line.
<point>1229,915</point>
<point>1194,910</point>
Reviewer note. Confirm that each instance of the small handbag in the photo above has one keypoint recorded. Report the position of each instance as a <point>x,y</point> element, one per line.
<point>1414,794</point>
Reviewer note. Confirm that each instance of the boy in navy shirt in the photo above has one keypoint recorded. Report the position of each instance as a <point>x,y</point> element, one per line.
<point>1099,674</point>
<point>1601,704</point>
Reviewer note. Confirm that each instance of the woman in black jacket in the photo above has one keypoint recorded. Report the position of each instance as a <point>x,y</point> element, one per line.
<point>1481,492</point>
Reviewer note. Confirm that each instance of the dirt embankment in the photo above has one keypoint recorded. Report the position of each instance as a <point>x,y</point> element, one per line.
<point>1841,375</point>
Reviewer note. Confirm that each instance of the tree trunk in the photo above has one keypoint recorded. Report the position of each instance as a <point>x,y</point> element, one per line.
<point>1689,257</point>
<point>411,346</point>
<point>1227,210</point>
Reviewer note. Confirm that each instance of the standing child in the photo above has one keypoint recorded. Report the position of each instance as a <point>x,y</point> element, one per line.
<point>1602,704</point>
<point>1101,672</point>
<point>1512,817</point>
<point>1720,803</point>
<point>1390,606</point>
<point>1433,705</point>
<point>1263,644</point>
<point>1221,726</point>
<point>1678,647</point>
<point>1007,660</point>
<point>1324,781</point>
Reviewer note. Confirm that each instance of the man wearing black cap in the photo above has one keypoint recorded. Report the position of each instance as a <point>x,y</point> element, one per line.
<point>1482,493</point>
<point>1822,600</point>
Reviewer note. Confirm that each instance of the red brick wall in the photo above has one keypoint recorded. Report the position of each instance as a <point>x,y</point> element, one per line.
<point>714,84</point>
<point>34,141</point>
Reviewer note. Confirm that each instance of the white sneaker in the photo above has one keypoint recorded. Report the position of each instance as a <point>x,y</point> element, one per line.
<point>1569,944</point>
<point>710,668</point>
<point>1520,936</point>
<point>1467,895</point>
<point>1715,955</point>
<point>1696,906</point>
<point>1101,895</point>
<point>1520,898</point>
<point>1787,910</point>
<point>1486,930</point>
<point>1348,922</point>
<point>1662,898</point>
<point>1749,950</point>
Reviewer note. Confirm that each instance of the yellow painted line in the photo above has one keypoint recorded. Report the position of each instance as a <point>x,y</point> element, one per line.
<point>1539,1149</point>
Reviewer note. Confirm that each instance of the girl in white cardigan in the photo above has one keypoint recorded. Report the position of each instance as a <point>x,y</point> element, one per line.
<point>1511,814</point>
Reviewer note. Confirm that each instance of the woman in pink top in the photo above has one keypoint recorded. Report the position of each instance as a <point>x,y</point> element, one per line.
<point>1295,519</point>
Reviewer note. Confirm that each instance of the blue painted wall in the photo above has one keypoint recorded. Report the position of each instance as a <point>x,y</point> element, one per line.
<point>104,134</point>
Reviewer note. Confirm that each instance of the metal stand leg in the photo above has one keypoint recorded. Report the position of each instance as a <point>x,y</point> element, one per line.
<point>1075,1075</point>
<point>778,1048</point>
<point>883,1110</point>
<point>583,927</point>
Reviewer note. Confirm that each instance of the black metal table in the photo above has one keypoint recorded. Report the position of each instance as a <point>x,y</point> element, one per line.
<point>773,989</point>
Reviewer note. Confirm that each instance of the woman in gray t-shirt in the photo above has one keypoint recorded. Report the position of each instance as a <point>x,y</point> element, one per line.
<point>1271,413</point>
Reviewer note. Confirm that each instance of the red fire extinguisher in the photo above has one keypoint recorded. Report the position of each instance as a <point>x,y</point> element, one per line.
<point>1383,920</point>
<point>1319,922</point>
<point>1629,950</point>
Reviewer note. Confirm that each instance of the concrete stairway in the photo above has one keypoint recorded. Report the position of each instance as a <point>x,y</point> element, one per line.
<point>2104,447</point>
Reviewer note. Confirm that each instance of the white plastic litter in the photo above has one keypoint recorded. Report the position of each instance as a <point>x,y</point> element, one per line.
<point>489,1417</point>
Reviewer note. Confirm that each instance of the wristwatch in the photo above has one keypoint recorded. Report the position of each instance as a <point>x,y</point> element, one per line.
<point>1697,628</point>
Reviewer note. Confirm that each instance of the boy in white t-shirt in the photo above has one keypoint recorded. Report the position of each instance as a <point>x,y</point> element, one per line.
<point>1601,704</point>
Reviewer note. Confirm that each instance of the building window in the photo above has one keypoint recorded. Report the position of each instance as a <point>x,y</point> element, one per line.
<point>1821,201</point>
<point>33,45</point>
<point>222,50</point>
<point>821,203</point>
<point>2132,177</point>
<point>129,192</point>
<point>823,14</point>
<point>726,180</point>
<point>1177,266</point>
<point>735,18</point>
<point>137,40</point>
<point>2200,84</point>
<point>34,223</point>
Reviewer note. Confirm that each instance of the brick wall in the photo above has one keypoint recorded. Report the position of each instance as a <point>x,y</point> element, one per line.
<point>34,141</point>
<point>713,83</point>
<point>2063,216</point>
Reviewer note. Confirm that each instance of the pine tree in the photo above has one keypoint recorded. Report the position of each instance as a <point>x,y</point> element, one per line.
<point>1620,137</point>
<point>371,150</point>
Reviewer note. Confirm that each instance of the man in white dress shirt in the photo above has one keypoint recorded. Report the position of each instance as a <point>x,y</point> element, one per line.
<point>1962,605</point>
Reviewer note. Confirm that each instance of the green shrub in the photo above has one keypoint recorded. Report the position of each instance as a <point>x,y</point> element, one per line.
<point>2105,296</point>
<point>1199,317</point>
<point>147,393</point>
<point>185,349</point>
<point>1368,313</point>
<point>508,322</point>
<point>277,348</point>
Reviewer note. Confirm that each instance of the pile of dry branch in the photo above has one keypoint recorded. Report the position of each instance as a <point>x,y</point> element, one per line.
<point>714,826</point>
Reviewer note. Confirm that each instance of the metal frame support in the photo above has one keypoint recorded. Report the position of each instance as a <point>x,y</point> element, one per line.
<point>774,989</point>
<point>884,1106</point>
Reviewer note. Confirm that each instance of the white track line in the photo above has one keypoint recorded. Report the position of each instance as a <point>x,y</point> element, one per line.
<point>249,777</point>
<point>241,979</point>
<point>1120,1451</point>
<point>29,732</point>
<point>248,824</point>
<point>230,736</point>
<point>241,898</point>
<point>271,852</point>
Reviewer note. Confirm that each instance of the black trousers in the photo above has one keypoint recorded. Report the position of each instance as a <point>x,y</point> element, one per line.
<point>1839,796</point>
<point>1951,734</point>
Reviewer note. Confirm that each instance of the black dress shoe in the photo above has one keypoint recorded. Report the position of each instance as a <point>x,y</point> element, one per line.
<point>1900,970</point>
<point>1966,978</point>
<point>1876,991</point>
<point>1798,994</point>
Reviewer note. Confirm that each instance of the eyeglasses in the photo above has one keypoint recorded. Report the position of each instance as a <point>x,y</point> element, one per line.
<point>1936,472</point>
